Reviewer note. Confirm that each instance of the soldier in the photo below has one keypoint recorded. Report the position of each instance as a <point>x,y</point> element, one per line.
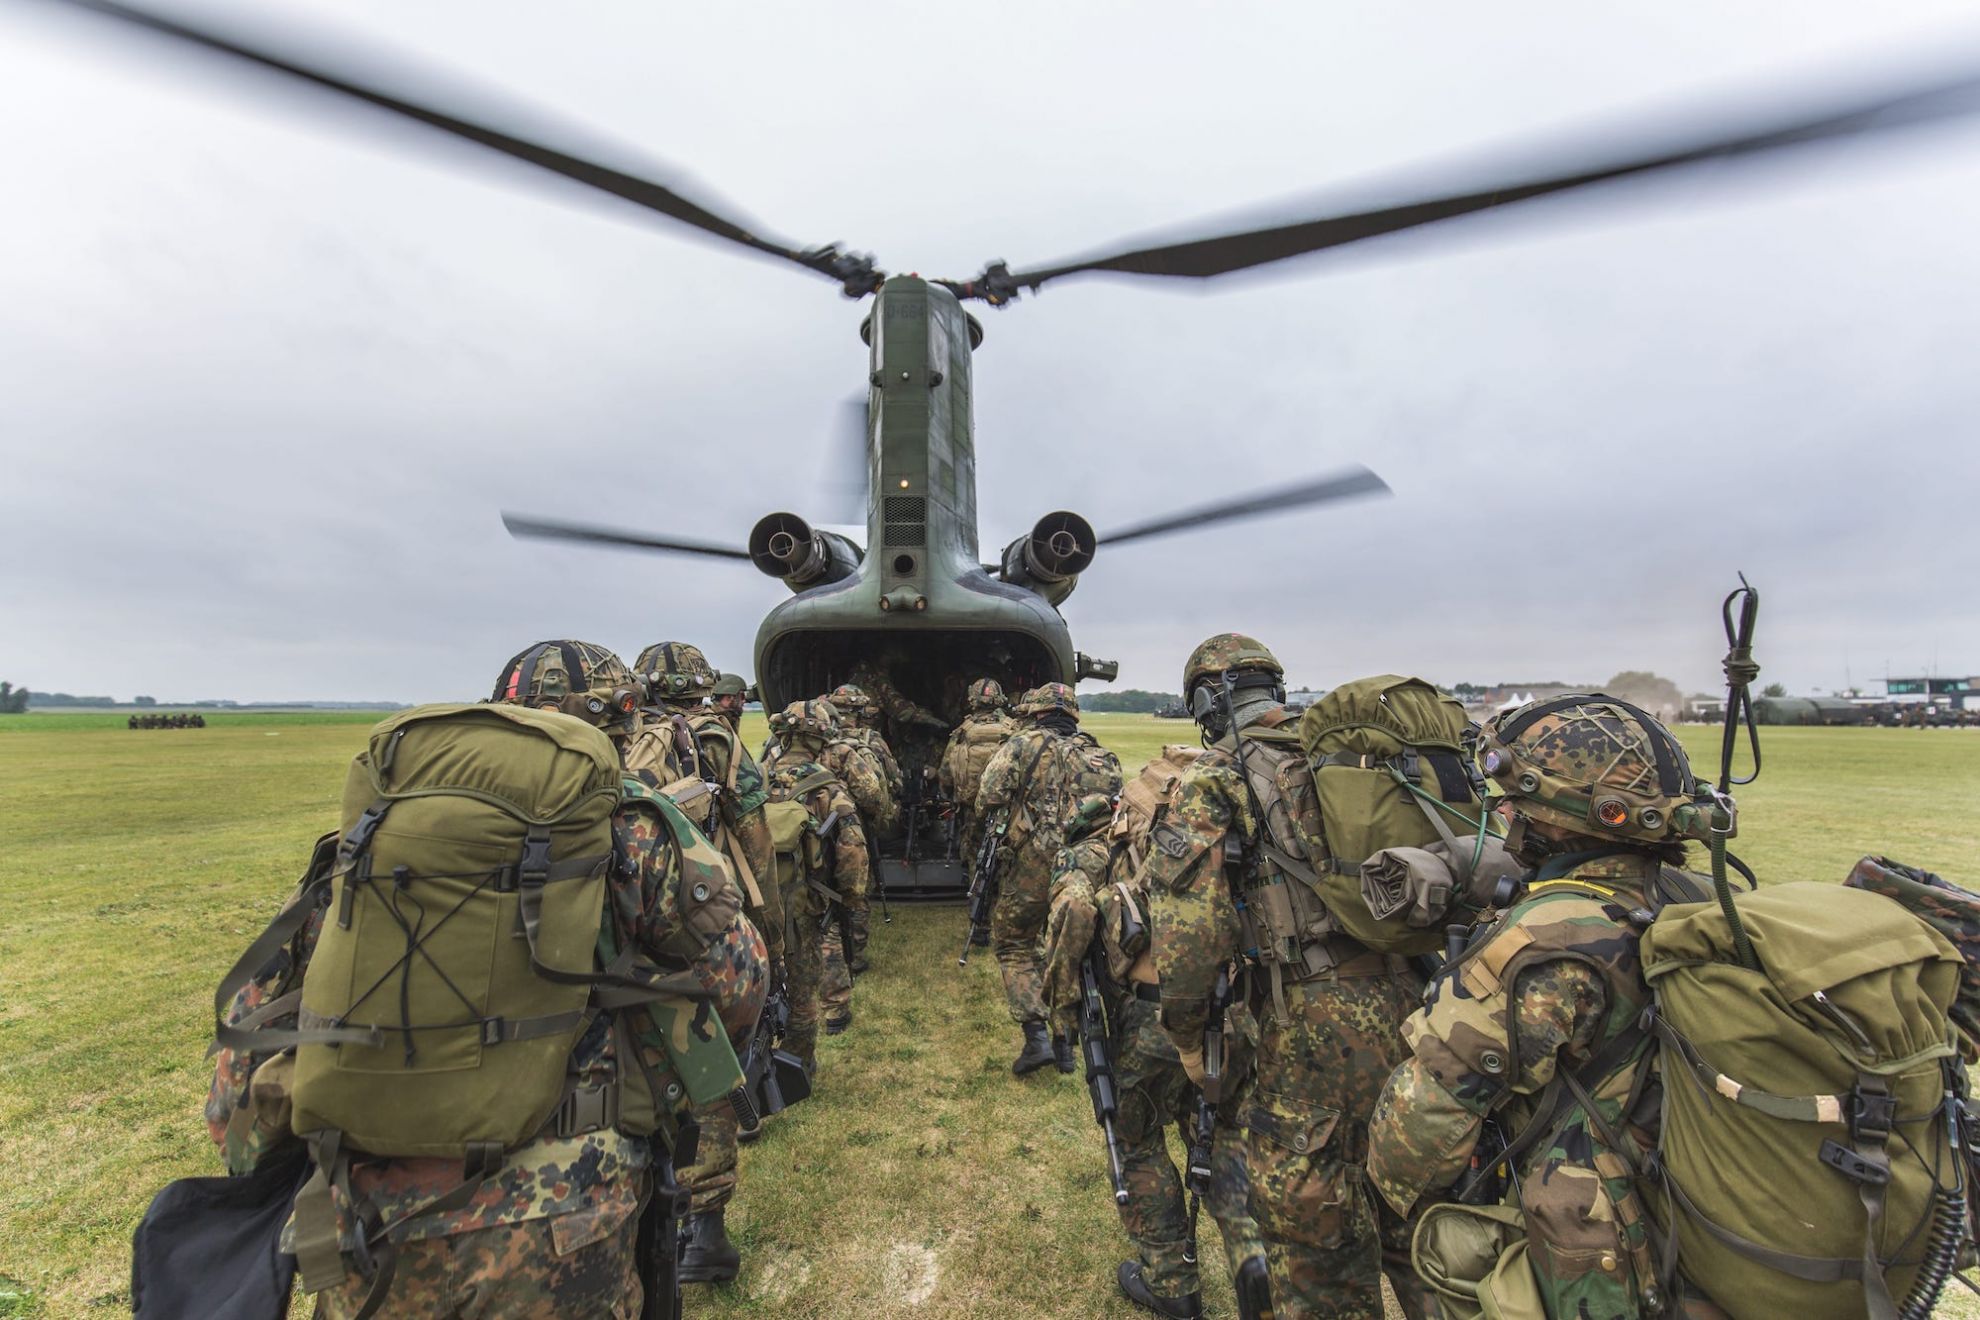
<point>1027,780</point>
<point>859,721</point>
<point>1554,992</point>
<point>1329,1008</point>
<point>835,862</point>
<point>730,694</point>
<point>970,748</point>
<point>807,731</point>
<point>1155,1091</point>
<point>900,715</point>
<point>552,1229</point>
<point>579,679</point>
<point>729,810</point>
<point>1076,877</point>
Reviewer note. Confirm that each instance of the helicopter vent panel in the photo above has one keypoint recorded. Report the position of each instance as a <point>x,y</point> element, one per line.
<point>906,520</point>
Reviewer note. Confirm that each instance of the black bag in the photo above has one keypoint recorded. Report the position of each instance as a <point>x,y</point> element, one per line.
<point>211,1247</point>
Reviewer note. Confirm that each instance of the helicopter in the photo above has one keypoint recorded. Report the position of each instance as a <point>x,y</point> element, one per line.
<point>915,600</point>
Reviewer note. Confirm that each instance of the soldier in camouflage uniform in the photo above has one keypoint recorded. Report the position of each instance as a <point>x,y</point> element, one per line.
<point>552,1231</point>
<point>970,748</point>
<point>900,715</point>
<point>837,863</point>
<point>1155,1091</point>
<point>1328,1007</point>
<point>859,722</point>
<point>1552,991</point>
<point>1027,780</point>
<point>1069,927</point>
<point>728,698</point>
<point>807,733</point>
<point>724,799</point>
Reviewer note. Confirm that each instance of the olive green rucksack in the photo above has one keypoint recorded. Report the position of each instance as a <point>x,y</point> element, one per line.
<point>1805,1144</point>
<point>1390,759</point>
<point>465,949</point>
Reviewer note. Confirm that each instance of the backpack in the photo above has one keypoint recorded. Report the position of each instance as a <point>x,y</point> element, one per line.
<point>1805,1152</point>
<point>466,947</point>
<point>1388,765</point>
<point>1123,901</point>
<point>1089,769</point>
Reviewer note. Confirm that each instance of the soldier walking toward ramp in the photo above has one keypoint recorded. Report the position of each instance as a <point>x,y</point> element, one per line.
<point>1329,1007</point>
<point>971,746</point>
<point>1027,783</point>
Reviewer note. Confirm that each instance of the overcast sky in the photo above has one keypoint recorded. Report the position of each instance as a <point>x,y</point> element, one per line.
<point>269,373</point>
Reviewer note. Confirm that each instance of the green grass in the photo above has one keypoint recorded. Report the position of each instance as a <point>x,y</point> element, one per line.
<point>134,867</point>
<point>69,721</point>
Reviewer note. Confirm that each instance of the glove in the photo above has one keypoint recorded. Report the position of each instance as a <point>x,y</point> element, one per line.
<point>1192,1062</point>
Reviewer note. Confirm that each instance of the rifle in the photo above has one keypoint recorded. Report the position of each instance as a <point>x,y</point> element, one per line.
<point>983,879</point>
<point>1094,1038</point>
<point>1208,1096</point>
<point>773,1079</point>
<point>657,1250</point>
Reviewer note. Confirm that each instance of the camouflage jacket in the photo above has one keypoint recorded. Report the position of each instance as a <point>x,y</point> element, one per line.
<point>897,710</point>
<point>737,823</point>
<point>849,861</point>
<point>1076,876</point>
<point>595,1174</point>
<point>1028,776</point>
<point>652,749</point>
<point>1552,986</point>
<point>866,779</point>
<point>871,740</point>
<point>1194,922</point>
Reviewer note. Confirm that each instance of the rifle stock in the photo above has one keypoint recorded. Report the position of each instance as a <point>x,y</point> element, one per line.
<point>1095,1044</point>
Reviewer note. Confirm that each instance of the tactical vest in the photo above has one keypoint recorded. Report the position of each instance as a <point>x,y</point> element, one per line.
<point>971,746</point>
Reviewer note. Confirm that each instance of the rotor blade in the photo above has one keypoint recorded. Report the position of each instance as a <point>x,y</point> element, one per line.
<point>856,273</point>
<point>1345,485</point>
<point>1223,253</point>
<point>542,529</point>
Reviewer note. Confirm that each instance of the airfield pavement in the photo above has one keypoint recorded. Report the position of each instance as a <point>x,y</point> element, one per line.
<point>922,1179</point>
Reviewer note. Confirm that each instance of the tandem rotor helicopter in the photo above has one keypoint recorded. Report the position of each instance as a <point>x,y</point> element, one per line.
<point>917,599</point>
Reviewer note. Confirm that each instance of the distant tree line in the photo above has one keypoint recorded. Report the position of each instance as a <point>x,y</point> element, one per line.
<point>13,700</point>
<point>1133,701</point>
<point>46,699</point>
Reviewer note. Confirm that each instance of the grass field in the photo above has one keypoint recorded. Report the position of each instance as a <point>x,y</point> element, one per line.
<point>134,866</point>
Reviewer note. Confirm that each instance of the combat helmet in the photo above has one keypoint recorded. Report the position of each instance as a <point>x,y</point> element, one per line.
<point>1596,765</point>
<point>730,685</point>
<point>1228,651</point>
<point>848,699</point>
<point>1048,697</point>
<point>987,694</point>
<point>676,671</point>
<point>813,720</point>
<point>578,678</point>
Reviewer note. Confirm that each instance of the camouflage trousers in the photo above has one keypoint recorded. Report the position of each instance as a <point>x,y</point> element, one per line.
<point>836,985</point>
<point>560,1267</point>
<point>1068,935</point>
<point>804,973</point>
<point>1328,1240</point>
<point>1155,1095</point>
<point>1017,925</point>
<point>711,1179</point>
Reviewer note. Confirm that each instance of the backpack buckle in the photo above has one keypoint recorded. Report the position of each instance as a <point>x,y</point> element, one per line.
<point>1853,1166</point>
<point>588,1109</point>
<point>535,867</point>
<point>1872,1114</point>
<point>359,836</point>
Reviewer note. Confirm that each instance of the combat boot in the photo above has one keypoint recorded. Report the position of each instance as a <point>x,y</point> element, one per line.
<point>835,1025</point>
<point>1136,1290</point>
<point>1037,1050</point>
<point>1062,1053</point>
<point>1253,1287</point>
<point>707,1255</point>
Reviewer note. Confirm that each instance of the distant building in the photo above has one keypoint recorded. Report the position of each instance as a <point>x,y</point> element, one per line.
<point>1955,692</point>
